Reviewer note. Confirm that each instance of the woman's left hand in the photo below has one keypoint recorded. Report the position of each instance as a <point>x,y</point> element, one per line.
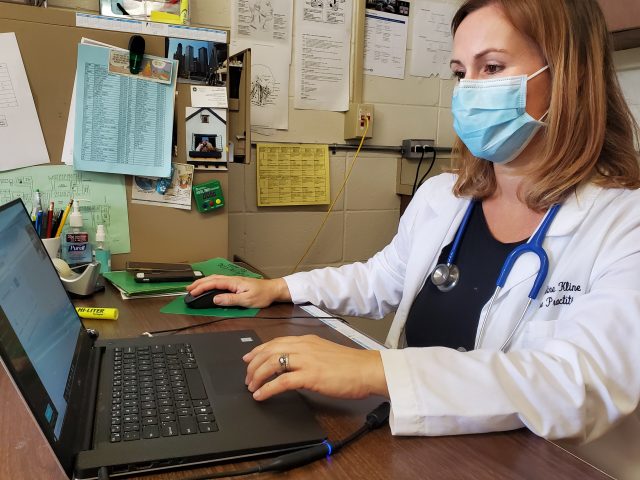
<point>314,364</point>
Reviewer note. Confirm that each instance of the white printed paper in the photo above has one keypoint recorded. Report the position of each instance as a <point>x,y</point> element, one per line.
<point>21,139</point>
<point>269,92</point>
<point>262,21</point>
<point>204,96</point>
<point>431,39</point>
<point>265,26</point>
<point>385,40</point>
<point>323,40</point>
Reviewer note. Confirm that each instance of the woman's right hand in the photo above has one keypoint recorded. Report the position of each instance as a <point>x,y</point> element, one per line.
<point>247,292</point>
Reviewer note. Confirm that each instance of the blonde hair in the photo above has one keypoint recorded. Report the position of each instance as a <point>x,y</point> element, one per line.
<point>590,129</point>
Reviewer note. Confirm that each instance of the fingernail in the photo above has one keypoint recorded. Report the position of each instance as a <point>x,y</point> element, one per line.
<point>257,394</point>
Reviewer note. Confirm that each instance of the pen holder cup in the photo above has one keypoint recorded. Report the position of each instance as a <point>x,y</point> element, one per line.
<point>52,246</point>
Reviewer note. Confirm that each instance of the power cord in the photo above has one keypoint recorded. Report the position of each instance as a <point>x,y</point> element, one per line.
<point>417,184</point>
<point>433,161</point>
<point>169,331</point>
<point>415,180</point>
<point>375,419</point>
<point>326,217</point>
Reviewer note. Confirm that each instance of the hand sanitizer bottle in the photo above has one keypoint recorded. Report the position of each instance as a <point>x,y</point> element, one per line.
<point>102,252</point>
<point>76,249</point>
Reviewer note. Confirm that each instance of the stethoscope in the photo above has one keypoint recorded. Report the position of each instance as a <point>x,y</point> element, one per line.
<point>446,275</point>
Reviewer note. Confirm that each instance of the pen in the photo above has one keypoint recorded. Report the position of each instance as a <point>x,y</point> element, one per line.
<point>49,220</point>
<point>64,218</point>
<point>39,222</point>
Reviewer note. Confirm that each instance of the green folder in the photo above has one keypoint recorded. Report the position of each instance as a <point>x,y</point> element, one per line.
<point>125,282</point>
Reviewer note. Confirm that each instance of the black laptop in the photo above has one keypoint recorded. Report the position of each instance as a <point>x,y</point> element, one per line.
<point>129,405</point>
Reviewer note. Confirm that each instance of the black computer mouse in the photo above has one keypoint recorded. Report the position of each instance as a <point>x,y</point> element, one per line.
<point>204,300</point>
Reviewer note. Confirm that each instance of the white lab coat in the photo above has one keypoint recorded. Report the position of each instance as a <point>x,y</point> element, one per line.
<point>572,371</point>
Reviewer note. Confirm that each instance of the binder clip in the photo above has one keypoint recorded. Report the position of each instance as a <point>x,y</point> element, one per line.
<point>136,52</point>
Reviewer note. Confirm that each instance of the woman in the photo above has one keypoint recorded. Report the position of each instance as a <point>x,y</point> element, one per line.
<point>569,368</point>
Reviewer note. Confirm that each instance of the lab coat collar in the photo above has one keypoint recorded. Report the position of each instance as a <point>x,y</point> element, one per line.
<point>571,214</point>
<point>573,210</point>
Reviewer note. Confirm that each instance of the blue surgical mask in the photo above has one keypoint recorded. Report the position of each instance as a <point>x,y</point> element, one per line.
<point>490,117</point>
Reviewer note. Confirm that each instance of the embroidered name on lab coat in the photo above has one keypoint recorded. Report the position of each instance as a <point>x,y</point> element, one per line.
<point>563,293</point>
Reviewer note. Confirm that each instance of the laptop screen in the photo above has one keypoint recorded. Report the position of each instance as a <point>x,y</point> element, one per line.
<point>39,327</point>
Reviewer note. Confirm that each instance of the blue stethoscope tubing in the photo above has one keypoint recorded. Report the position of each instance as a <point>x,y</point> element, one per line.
<point>533,245</point>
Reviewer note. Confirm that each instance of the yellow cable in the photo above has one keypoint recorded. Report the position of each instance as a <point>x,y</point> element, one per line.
<point>355,157</point>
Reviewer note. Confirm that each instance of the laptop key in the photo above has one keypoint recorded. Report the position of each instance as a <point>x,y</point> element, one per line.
<point>188,425</point>
<point>128,436</point>
<point>207,417</point>
<point>207,427</point>
<point>169,429</point>
<point>150,431</point>
<point>196,387</point>
<point>149,421</point>
<point>115,437</point>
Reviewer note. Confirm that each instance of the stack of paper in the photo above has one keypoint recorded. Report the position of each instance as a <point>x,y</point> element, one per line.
<point>129,288</point>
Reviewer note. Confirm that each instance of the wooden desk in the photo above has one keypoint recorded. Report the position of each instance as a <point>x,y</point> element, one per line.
<point>24,454</point>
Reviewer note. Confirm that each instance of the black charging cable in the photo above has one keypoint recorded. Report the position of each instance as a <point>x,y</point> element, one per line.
<point>169,331</point>
<point>433,162</point>
<point>415,180</point>
<point>416,183</point>
<point>375,419</point>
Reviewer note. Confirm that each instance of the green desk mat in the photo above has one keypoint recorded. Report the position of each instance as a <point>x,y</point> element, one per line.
<point>178,306</point>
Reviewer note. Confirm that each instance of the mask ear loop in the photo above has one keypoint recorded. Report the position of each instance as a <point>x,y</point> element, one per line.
<point>534,75</point>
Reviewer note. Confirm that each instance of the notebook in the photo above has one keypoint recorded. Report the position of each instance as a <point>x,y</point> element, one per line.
<point>131,405</point>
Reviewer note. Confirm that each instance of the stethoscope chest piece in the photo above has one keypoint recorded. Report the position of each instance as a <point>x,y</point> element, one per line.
<point>445,276</point>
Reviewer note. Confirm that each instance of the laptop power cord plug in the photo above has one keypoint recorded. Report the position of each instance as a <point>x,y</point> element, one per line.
<point>375,419</point>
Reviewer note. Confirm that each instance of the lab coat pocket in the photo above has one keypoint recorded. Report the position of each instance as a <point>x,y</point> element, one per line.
<point>538,331</point>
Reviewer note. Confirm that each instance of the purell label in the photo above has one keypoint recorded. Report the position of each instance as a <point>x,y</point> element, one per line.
<point>82,237</point>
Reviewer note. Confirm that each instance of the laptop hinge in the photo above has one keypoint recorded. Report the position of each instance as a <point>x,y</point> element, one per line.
<point>91,396</point>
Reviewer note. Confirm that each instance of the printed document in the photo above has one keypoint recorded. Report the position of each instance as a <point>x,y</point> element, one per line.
<point>123,124</point>
<point>104,198</point>
<point>385,40</point>
<point>262,21</point>
<point>264,26</point>
<point>292,174</point>
<point>21,140</point>
<point>431,39</point>
<point>323,41</point>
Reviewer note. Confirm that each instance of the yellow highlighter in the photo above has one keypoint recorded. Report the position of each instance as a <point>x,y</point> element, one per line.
<point>98,313</point>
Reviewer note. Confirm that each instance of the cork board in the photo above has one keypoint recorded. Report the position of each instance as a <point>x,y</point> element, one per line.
<point>48,40</point>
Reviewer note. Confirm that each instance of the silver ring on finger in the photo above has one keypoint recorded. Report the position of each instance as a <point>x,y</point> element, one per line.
<point>283,361</point>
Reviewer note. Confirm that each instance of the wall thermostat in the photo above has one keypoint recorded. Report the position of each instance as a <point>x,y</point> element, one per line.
<point>208,196</point>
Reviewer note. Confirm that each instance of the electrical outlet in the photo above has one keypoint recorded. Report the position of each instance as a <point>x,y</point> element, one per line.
<point>413,148</point>
<point>355,121</point>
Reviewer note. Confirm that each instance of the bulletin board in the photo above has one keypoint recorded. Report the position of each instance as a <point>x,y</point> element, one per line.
<point>48,40</point>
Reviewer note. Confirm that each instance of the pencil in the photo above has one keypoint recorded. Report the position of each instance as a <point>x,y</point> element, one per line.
<point>64,218</point>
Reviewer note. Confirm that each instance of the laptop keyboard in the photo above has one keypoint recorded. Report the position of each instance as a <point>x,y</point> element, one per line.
<point>158,392</point>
